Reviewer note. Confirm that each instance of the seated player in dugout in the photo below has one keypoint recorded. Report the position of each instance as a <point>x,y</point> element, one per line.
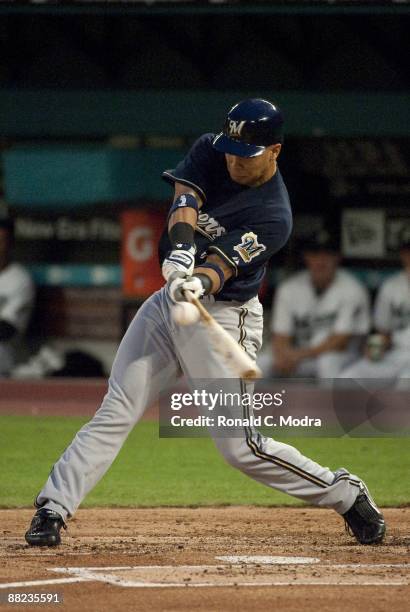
<point>230,214</point>
<point>16,298</point>
<point>387,352</point>
<point>320,316</point>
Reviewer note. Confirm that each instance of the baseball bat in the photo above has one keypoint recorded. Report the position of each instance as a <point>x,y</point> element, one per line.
<point>231,352</point>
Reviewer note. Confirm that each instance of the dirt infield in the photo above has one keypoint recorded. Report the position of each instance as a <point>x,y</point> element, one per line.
<point>193,559</point>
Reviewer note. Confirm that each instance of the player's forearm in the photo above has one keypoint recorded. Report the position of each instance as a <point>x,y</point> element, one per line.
<point>217,271</point>
<point>181,228</point>
<point>187,212</point>
<point>280,342</point>
<point>213,277</point>
<point>181,232</point>
<point>335,342</point>
<point>183,215</point>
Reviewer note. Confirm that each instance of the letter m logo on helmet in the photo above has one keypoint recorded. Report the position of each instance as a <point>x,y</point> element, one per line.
<point>235,128</point>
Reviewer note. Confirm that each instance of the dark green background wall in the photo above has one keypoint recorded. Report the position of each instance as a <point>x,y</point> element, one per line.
<point>27,113</point>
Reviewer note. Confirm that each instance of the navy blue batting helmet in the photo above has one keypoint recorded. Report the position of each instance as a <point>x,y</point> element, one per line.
<point>250,127</point>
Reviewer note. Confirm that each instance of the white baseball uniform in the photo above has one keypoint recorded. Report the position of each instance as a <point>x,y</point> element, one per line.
<point>391,315</point>
<point>310,317</point>
<point>16,303</point>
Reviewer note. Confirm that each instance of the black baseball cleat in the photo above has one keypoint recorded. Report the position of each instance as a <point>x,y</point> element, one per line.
<point>45,528</point>
<point>364,520</point>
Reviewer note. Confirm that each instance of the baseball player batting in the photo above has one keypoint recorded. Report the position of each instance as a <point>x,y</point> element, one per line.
<point>230,214</point>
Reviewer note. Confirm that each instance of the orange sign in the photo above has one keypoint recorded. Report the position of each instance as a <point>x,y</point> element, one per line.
<point>141,231</point>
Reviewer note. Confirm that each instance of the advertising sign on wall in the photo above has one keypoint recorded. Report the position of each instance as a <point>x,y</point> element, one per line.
<point>374,233</point>
<point>363,233</point>
<point>141,233</point>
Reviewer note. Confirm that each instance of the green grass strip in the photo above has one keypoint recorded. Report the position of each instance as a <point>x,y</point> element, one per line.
<point>150,471</point>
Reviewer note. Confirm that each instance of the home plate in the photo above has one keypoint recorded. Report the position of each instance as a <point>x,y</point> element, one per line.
<point>264,560</point>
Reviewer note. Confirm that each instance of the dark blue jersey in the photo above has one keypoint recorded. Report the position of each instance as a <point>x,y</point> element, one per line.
<point>244,225</point>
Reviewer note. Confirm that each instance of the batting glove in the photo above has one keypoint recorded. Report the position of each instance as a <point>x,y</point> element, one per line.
<point>179,284</point>
<point>179,260</point>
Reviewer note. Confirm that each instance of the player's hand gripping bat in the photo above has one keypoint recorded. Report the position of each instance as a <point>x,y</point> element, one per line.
<point>231,352</point>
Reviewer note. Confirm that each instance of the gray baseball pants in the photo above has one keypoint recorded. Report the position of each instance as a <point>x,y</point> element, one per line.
<point>150,358</point>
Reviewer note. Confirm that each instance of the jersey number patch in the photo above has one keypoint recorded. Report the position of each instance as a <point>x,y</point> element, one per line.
<point>249,247</point>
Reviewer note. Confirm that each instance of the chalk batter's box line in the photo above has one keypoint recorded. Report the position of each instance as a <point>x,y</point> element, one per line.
<point>98,574</point>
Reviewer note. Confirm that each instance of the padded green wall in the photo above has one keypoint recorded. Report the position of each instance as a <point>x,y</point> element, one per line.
<point>189,113</point>
<point>43,175</point>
